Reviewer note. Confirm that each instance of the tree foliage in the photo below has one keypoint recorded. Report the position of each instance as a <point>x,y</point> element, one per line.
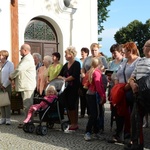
<point>135,31</point>
<point>102,13</point>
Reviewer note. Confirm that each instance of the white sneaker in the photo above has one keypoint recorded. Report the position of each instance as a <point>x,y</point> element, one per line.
<point>87,136</point>
<point>8,122</point>
<point>2,121</point>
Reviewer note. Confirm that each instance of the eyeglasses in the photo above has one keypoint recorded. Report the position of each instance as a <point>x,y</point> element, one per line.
<point>125,51</point>
<point>147,46</point>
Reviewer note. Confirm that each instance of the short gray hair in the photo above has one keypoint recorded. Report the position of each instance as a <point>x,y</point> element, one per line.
<point>48,58</point>
<point>37,55</point>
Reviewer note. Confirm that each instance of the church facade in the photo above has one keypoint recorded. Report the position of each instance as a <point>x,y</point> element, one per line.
<point>47,25</point>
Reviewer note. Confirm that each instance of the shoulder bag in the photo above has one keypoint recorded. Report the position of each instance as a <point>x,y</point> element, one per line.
<point>4,99</point>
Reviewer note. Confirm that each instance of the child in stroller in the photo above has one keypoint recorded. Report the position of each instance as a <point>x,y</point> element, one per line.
<point>51,94</point>
<point>49,109</point>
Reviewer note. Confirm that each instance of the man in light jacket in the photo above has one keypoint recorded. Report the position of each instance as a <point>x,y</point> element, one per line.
<point>25,77</point>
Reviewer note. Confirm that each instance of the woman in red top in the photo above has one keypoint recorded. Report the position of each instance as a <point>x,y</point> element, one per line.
<point>95,85</point>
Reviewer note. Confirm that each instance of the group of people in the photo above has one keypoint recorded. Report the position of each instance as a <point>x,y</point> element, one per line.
<point>85,80</point>
<point>128,67</point>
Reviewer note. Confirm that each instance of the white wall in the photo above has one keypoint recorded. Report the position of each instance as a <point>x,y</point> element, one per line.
<point>77,28</point>
<point>85,24</point>
<point>5,36</point>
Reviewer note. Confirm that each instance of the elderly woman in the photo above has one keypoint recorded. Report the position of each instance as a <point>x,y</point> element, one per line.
<point>142,69</point>
<point>37,60</point>
<point>71,74</point>
<point>42,78</point>
<point>6,68</point>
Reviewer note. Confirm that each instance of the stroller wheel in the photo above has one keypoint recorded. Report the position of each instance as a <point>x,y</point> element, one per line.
<point>44,130</point>
<point>25,127</point>
<point>31,128</point>
<point>50,125</point>
<point>38,130</point>
<point>64,125</point>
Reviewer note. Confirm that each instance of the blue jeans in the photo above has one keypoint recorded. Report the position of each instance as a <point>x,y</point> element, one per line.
<point>92,124</point>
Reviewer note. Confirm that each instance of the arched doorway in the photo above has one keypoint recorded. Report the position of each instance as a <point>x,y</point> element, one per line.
<point>41,36</point>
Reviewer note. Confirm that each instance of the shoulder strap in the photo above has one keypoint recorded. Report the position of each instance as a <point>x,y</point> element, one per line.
<point>124,73</point>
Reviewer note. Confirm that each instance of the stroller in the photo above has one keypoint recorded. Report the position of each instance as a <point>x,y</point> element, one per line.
<point>54,113</point>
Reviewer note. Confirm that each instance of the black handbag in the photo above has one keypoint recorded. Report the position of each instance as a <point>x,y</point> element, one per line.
<point>144,92</point>
<point>144,83</point>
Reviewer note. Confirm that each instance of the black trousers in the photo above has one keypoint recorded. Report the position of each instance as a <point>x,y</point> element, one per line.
<point>83,101</point>
<point>93,123</point>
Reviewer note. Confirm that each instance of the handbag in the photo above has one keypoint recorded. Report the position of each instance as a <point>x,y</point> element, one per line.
<point>144,83</point>
<point>144,92</point>
<point>4,99</point>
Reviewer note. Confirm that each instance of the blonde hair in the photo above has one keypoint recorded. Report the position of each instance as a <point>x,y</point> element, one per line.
<point>94,64</point>
<point>94,45</point>
<point>4,53</point>
<point>51,88</point>
<point>71,50</point>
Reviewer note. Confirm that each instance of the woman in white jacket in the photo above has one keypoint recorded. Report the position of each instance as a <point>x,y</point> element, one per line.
<point>6,68</point>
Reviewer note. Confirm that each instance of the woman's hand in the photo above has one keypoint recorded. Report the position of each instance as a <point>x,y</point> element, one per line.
<point>134,87</point>
<point>82,75</point>
<point>60,77</point>
<point>102,101</point>
<point>3,88</point>
<point>127,87</point>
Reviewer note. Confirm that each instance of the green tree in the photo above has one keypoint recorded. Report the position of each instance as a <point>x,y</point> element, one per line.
<point>102,14</point>
<point>135,31</point>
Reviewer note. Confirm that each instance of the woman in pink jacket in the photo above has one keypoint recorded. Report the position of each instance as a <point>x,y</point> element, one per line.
<point>95,86</point>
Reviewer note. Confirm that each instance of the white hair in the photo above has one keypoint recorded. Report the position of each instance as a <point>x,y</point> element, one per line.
<point>37,55</point>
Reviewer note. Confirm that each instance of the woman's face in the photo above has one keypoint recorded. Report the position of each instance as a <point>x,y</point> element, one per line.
<point>2,58</point>
<point>45,61</point>
<point>84,54</point>
<point>127,53</point>
<point>36,60</point>
<point>95,51</point>
<point>54,58</point>
<point>146,51</point>
<point>68,56</point>
<point>116,54</point>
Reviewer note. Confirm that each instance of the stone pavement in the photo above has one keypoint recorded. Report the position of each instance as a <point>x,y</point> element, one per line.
<point>12,138</point>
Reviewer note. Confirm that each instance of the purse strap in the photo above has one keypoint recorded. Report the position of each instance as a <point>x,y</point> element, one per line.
<point>124,73</point>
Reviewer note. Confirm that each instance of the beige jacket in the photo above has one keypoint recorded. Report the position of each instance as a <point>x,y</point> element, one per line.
<point>25,74</point>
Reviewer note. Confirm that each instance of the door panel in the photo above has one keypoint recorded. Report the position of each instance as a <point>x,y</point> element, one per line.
<point>48,49</point>
<point>35,47</point>
<point>42,48</point>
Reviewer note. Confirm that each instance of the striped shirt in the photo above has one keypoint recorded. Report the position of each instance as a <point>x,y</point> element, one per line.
<point>142,68</point>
